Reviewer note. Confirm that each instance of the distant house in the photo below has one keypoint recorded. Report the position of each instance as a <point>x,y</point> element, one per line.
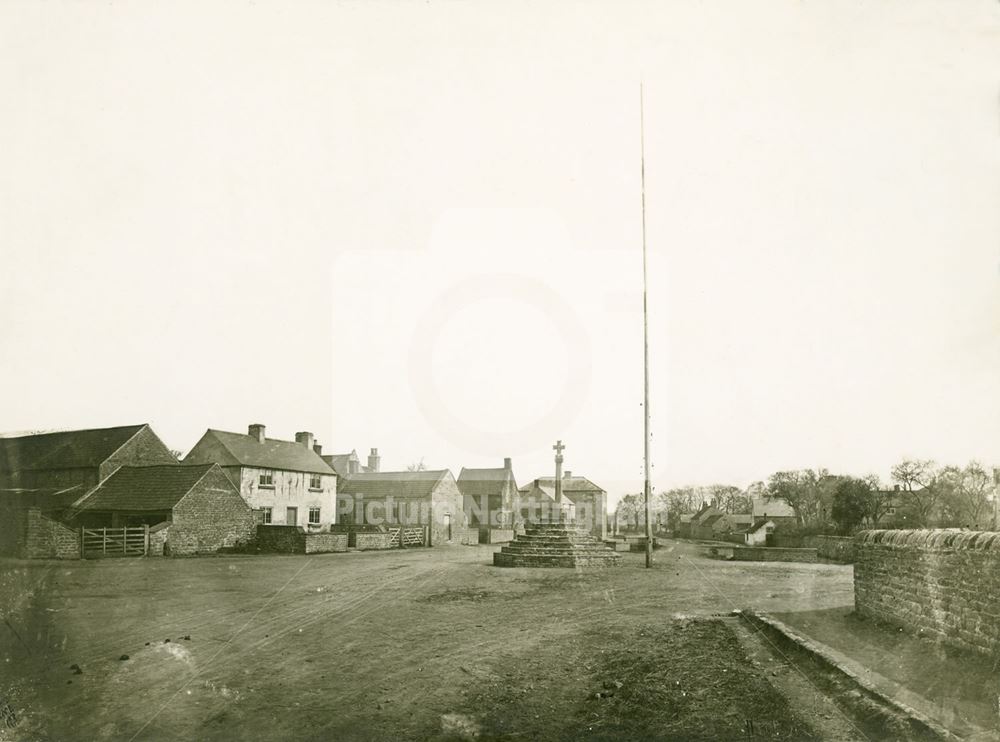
<point>426,498</point>
<point>51,470</point>
<point>537,504</point>
<point>285,482</point>
<point>490,500</point>
<point>694,527</point>
<point>590,501</point>
<point>346,464</point>
<point>773,508</point>
<point>733,523</point>
<point>760,534</point>
<point>200,507</point>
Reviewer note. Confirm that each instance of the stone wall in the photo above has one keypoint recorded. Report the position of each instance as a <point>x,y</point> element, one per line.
<point>496,535</point>
<point>940,583</point>
<point>212,516</point>
<point>158,536</point>
<point>773,554</point>
<point>323,543</point>
<point>832,548</point>
<point>48,539</point>
<point>378,540</point>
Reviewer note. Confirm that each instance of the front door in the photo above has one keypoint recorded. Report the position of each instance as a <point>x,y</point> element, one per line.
<point>292,516</point>
<point>447,525</point>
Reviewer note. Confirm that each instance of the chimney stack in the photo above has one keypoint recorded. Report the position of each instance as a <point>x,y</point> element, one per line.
<point>568,474</point>
<point>353,466</point>
<point>256,430</point>
<point>318,449</point>
<point>507,465</point>
<point>374,459</point>
<point>305,438</point>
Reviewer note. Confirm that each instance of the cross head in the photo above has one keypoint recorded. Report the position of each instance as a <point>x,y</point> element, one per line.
<point>558,448</point>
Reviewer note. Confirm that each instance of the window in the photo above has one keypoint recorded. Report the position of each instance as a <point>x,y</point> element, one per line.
<point>266,513</point>
<point>315,482</point>
<point>266,478</point>
<point>314,516</point>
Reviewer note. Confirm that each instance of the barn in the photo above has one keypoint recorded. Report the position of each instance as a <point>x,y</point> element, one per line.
<point>193,509</point>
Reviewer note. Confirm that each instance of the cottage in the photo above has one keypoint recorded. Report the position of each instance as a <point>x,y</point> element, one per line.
<point>346,464</point>
<point>773,508</point>
<point>51,470</point>
<point>589,500</point>
<point>693,527</point>
<point>490,501</point>
<point>285,482</point>
<point>760,534</point>
<point>425,498</point>
<point>537,504</point>
<point>199,507</point>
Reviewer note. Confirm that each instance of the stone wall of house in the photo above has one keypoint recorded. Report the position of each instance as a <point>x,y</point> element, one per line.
<point>773,554</point>
<point>289,489</point>
<point>832,548</point>
<point>940,583</point>
<point>44,538</point>
<point>212,516</point>
<point>449,521</point>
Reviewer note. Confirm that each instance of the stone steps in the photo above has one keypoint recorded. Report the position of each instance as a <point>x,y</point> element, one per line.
<point>555,545</point>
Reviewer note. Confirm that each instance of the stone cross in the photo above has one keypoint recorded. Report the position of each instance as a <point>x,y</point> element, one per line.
<point>558,448</point>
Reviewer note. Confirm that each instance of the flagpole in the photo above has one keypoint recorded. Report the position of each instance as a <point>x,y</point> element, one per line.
<point>645,337</point>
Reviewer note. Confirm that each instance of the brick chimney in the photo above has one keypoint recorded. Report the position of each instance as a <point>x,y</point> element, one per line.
<point>374,459</point>
<point>507,465</point>
<point>256,430</point>
<point>318,449</point>
<point>306,439</point>
<point>568,474</point>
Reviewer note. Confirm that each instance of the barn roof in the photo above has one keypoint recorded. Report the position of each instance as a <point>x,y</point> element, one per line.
<point>772,507</point>
<point>69,449</point>
<point>240,449</point>
<point>144,488</point>
<point>400,484</point>
<point>477,482</point>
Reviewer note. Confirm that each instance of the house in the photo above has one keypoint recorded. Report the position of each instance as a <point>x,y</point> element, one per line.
<point>537,504</point>
<point>773,508</point>
<point>760,534</point>
<point>424,498</point>
<point>199,506</point>
<point>590,501</point>
<point>490,500</point>
<point>285,482</point>
<point>693,527</point>
<point>733,523</point>
<point>51,470</point>
<point>346,464</point>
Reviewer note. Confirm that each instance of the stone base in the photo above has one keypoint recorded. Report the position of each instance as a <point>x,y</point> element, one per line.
<point>555,545</point>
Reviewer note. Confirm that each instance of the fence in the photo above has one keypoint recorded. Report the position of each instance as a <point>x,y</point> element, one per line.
<point>114,542</point>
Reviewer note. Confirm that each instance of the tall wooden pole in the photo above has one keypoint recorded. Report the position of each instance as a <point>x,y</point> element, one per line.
<point>645,340</point>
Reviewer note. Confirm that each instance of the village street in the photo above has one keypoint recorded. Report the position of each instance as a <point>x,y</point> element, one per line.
<point>345,646</point>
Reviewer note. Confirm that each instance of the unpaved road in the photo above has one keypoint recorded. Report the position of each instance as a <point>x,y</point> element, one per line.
<point>368,645</point>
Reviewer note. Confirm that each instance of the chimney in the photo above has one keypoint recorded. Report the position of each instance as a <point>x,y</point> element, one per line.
<point>374,459</point>
<point>507,465</point>
<point>352,466</point>
<point>895,488</point>
<point>568,474</point>
<point>256,430</point>
<point>306,439</point>
<point>538,482</point>
<point>318,449</point>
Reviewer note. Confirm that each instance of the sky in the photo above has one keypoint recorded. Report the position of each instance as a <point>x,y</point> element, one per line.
<point>417,226</point>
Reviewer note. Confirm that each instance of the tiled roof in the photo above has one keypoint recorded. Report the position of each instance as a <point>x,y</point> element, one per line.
<point>569,484</point>
<point>759,526</point>
<point>70,449</point>
<point>772,507</point>
<point>340,462</point>
<point>478,482</point>
<point>245,450</point>
<point>710,520</point>
<point>542,492</point>
<point>399,484</point>
<point>42,497</point>
<point>144,488</point>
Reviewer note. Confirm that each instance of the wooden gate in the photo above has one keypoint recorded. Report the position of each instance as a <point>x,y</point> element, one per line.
<point>114,542</point>
<point>401,537</point>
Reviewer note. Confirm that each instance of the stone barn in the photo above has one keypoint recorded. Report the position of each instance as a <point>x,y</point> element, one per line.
<point>426,498</point>
<point>200,506</point>
<point>490,498</point>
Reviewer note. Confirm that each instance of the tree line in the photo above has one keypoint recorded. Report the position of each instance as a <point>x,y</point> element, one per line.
<point>920,494</point>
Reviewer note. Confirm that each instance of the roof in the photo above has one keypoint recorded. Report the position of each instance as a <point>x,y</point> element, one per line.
<point>711,519</point>
<point>144,488</point>
<point>744,518</point>
<point>401,484</point>
<point>569,484</point>
<point>42,497</point>
<point>70,449</point>
<point>340,462</point>
<point>759,526</point>
<point>478,482</point>
<point>540,491</point>
<point>702,511</point>
<point>772,507</point>
<point>240,449</point>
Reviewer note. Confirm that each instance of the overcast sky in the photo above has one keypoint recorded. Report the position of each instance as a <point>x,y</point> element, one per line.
<point>416,225</point>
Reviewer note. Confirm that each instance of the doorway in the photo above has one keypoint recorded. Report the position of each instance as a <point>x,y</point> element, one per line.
<point>292,516</point>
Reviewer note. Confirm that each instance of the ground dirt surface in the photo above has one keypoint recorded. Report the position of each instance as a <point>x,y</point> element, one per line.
<point>414,644</point>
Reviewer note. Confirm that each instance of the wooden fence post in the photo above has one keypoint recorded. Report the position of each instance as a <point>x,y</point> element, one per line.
<point>104,541</point>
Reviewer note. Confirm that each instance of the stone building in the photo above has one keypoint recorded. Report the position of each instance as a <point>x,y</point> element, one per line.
<point>286,482</point>
<point>775,509</point>
<point>426,498</point>
<point>200,507</point>
<point>49,471</point>
<point>346,464</point>
<point>590,501</point>
<point>490,499</point>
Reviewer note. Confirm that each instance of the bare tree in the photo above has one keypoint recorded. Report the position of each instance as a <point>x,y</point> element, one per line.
<point>417,465</point>
<point>920,485</point>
